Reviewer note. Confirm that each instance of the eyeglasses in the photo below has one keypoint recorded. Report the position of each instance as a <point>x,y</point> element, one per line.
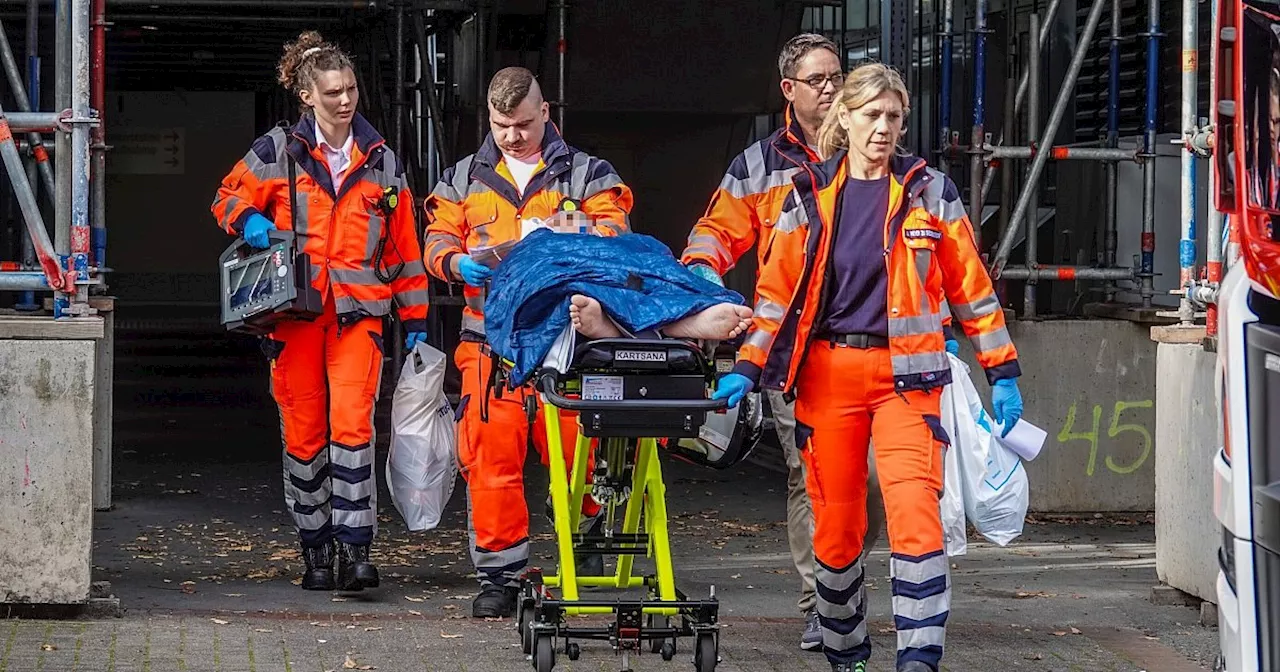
<point>819,82</point>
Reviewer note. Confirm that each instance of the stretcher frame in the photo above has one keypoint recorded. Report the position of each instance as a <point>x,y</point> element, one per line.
<point>541,618</point>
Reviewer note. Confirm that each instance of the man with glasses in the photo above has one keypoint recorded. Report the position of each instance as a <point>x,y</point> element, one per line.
<point>743,212</point>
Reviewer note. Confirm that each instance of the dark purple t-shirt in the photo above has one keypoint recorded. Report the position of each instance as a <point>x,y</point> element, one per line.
<point>858,294</point>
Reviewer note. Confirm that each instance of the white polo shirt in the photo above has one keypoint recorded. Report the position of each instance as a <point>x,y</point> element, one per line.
<point>338,159</point>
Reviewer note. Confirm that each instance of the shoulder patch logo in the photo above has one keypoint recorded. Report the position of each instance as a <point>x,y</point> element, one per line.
<point>913,234</point>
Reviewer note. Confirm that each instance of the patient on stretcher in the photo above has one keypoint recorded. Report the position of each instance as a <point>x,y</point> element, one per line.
<point>721,322</point>
<point>599,287</point>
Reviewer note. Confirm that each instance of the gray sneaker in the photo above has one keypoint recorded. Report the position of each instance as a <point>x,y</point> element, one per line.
<point>811,640</point>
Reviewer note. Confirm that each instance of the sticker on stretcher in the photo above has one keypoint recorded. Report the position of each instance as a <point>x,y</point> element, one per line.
<point>601,388</point>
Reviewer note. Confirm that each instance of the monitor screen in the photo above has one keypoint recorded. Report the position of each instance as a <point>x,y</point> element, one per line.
<point>251,281</point>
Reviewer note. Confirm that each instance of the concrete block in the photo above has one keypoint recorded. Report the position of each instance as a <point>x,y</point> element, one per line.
<point>1187,534</point>
<point>1091,385</point>
<point>46,449</point>
<point>1208,614</point>
<point>1176,333</point>
<point>1168,596</point>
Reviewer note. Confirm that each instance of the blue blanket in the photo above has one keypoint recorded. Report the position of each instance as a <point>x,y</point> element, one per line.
<point>634,277</point>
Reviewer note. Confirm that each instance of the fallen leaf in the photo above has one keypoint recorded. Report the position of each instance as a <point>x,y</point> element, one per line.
<point>351,664</point>
<point>261,630</point>
<point>219,621</point>
<point>297,581</point>
<point>1035,656</point>
<point>736,576</point>
<point>48,647</point>
<point>1060,633</point>
<point>413,599</point>
<point>415,613</point>
<point>448,636</point>
<point>372,629</point>
<point>339,599</point>
<point>1075,631</point>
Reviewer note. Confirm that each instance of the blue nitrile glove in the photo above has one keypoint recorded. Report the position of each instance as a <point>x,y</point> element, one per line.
<point>733,386</point>
<point>255,231</point>
<point>953,346</point>
<point>1006,403</point>
<point>473,272</point>
<point>414,338</point>
<point>706,273</point>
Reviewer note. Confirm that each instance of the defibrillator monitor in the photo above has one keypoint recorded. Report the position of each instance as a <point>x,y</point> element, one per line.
<point>262,287</point>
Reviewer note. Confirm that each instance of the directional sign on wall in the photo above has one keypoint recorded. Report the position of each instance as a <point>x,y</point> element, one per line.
<point>146,151</point>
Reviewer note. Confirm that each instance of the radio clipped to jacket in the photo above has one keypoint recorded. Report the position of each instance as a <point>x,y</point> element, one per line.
<point>263,287</point>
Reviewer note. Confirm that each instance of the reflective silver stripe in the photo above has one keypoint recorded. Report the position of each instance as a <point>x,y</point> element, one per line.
<point>790,220</point>
<point>412,268</point>
<point>375,308</point>
<point>600,184</point>
<point>996,339</point>
<point>229,205</point>
<point>441,240</point>
<point>759,338</point>
<point>413,297</point>
<point>311,521</point>
<point>757,180</point>
<point>914,638</point>
<point>473,324</point>
<point>279,170</point>
<point>920,363</point>
<point>475,302</point>
<point>769,310</point>
<point>453,191</point>
<point>372,234</point>
<point>709,243</point>
<point>581,168</point>
<point>944,308</point>
<point>353,492</point>
<point>361,518</point>
<point>923,259</point>
<point>833,640</point>
<point>305,472</point>
<point>494,560</point>
<point>918,572</point>
<point>924,608</point>
<point>317,498</point>
<point>351,459</point>
<point>915,325</point>
<point>301,222</point>
<point>975,309</point>
<point>838,581</point>
<point>363,276</point>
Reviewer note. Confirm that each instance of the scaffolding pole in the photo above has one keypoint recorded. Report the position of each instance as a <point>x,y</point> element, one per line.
<point>1111,222</point>
<point>1187,243</point>
<point>944,78</point>
<point>1050,130</point>
<point>978,134</point>
<point>1146,287</point>
<point>1066,273</point>
<point>80,127</point>
<point>1213,256</point>
<point>562,47</point>
<point>30,210</point>
<point>98,101</point>
<point>1033,130</point>
<point>1041,38</point>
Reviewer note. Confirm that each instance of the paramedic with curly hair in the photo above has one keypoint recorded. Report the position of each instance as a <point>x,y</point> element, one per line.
<point>867,247</point>
<point>354,218</point>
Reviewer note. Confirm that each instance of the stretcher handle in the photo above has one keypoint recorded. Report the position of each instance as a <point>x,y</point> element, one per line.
<point>547,385</point>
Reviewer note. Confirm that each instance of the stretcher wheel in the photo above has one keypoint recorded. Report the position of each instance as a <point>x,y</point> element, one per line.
<point>573,651</point>
<point>544,653</point>
<point>524,623</point>
<point>668,651</point>
<point>706,656</point>
<point>655,621</point>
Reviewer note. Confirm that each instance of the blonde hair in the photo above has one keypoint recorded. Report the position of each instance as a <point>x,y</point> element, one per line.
<point>863,85</point>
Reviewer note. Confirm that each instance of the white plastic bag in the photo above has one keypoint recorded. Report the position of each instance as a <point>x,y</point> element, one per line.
<point>954,530</point>
<point>423,464</point>
<point>992,479</point>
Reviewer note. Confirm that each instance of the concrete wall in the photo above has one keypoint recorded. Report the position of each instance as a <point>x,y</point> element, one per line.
<point>46,439</point>
<point>1187,534</point>
<point>1091,385</point>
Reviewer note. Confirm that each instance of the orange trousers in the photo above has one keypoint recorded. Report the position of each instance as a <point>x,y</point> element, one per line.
<point>325,380</point>
<point>845,398</point>
<point>492,455</point>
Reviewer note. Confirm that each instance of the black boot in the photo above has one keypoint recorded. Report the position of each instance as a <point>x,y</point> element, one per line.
<point>355,572</point>
<point>319,574</point>
<point>495,601</point>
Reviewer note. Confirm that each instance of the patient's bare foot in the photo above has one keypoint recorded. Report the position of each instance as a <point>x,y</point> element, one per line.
<point>589,318</point>
<point>720,322</point>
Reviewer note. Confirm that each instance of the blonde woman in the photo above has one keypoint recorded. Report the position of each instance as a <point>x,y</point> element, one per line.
<point>869,245</point>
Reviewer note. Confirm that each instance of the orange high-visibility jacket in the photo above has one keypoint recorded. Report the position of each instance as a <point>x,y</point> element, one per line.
<point>929,255</point>
<point>340,231</point>
<point>476,205</point>
<point>749,199</point>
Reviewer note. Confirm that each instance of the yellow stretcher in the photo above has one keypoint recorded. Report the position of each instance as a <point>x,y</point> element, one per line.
<point>630,394</point>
